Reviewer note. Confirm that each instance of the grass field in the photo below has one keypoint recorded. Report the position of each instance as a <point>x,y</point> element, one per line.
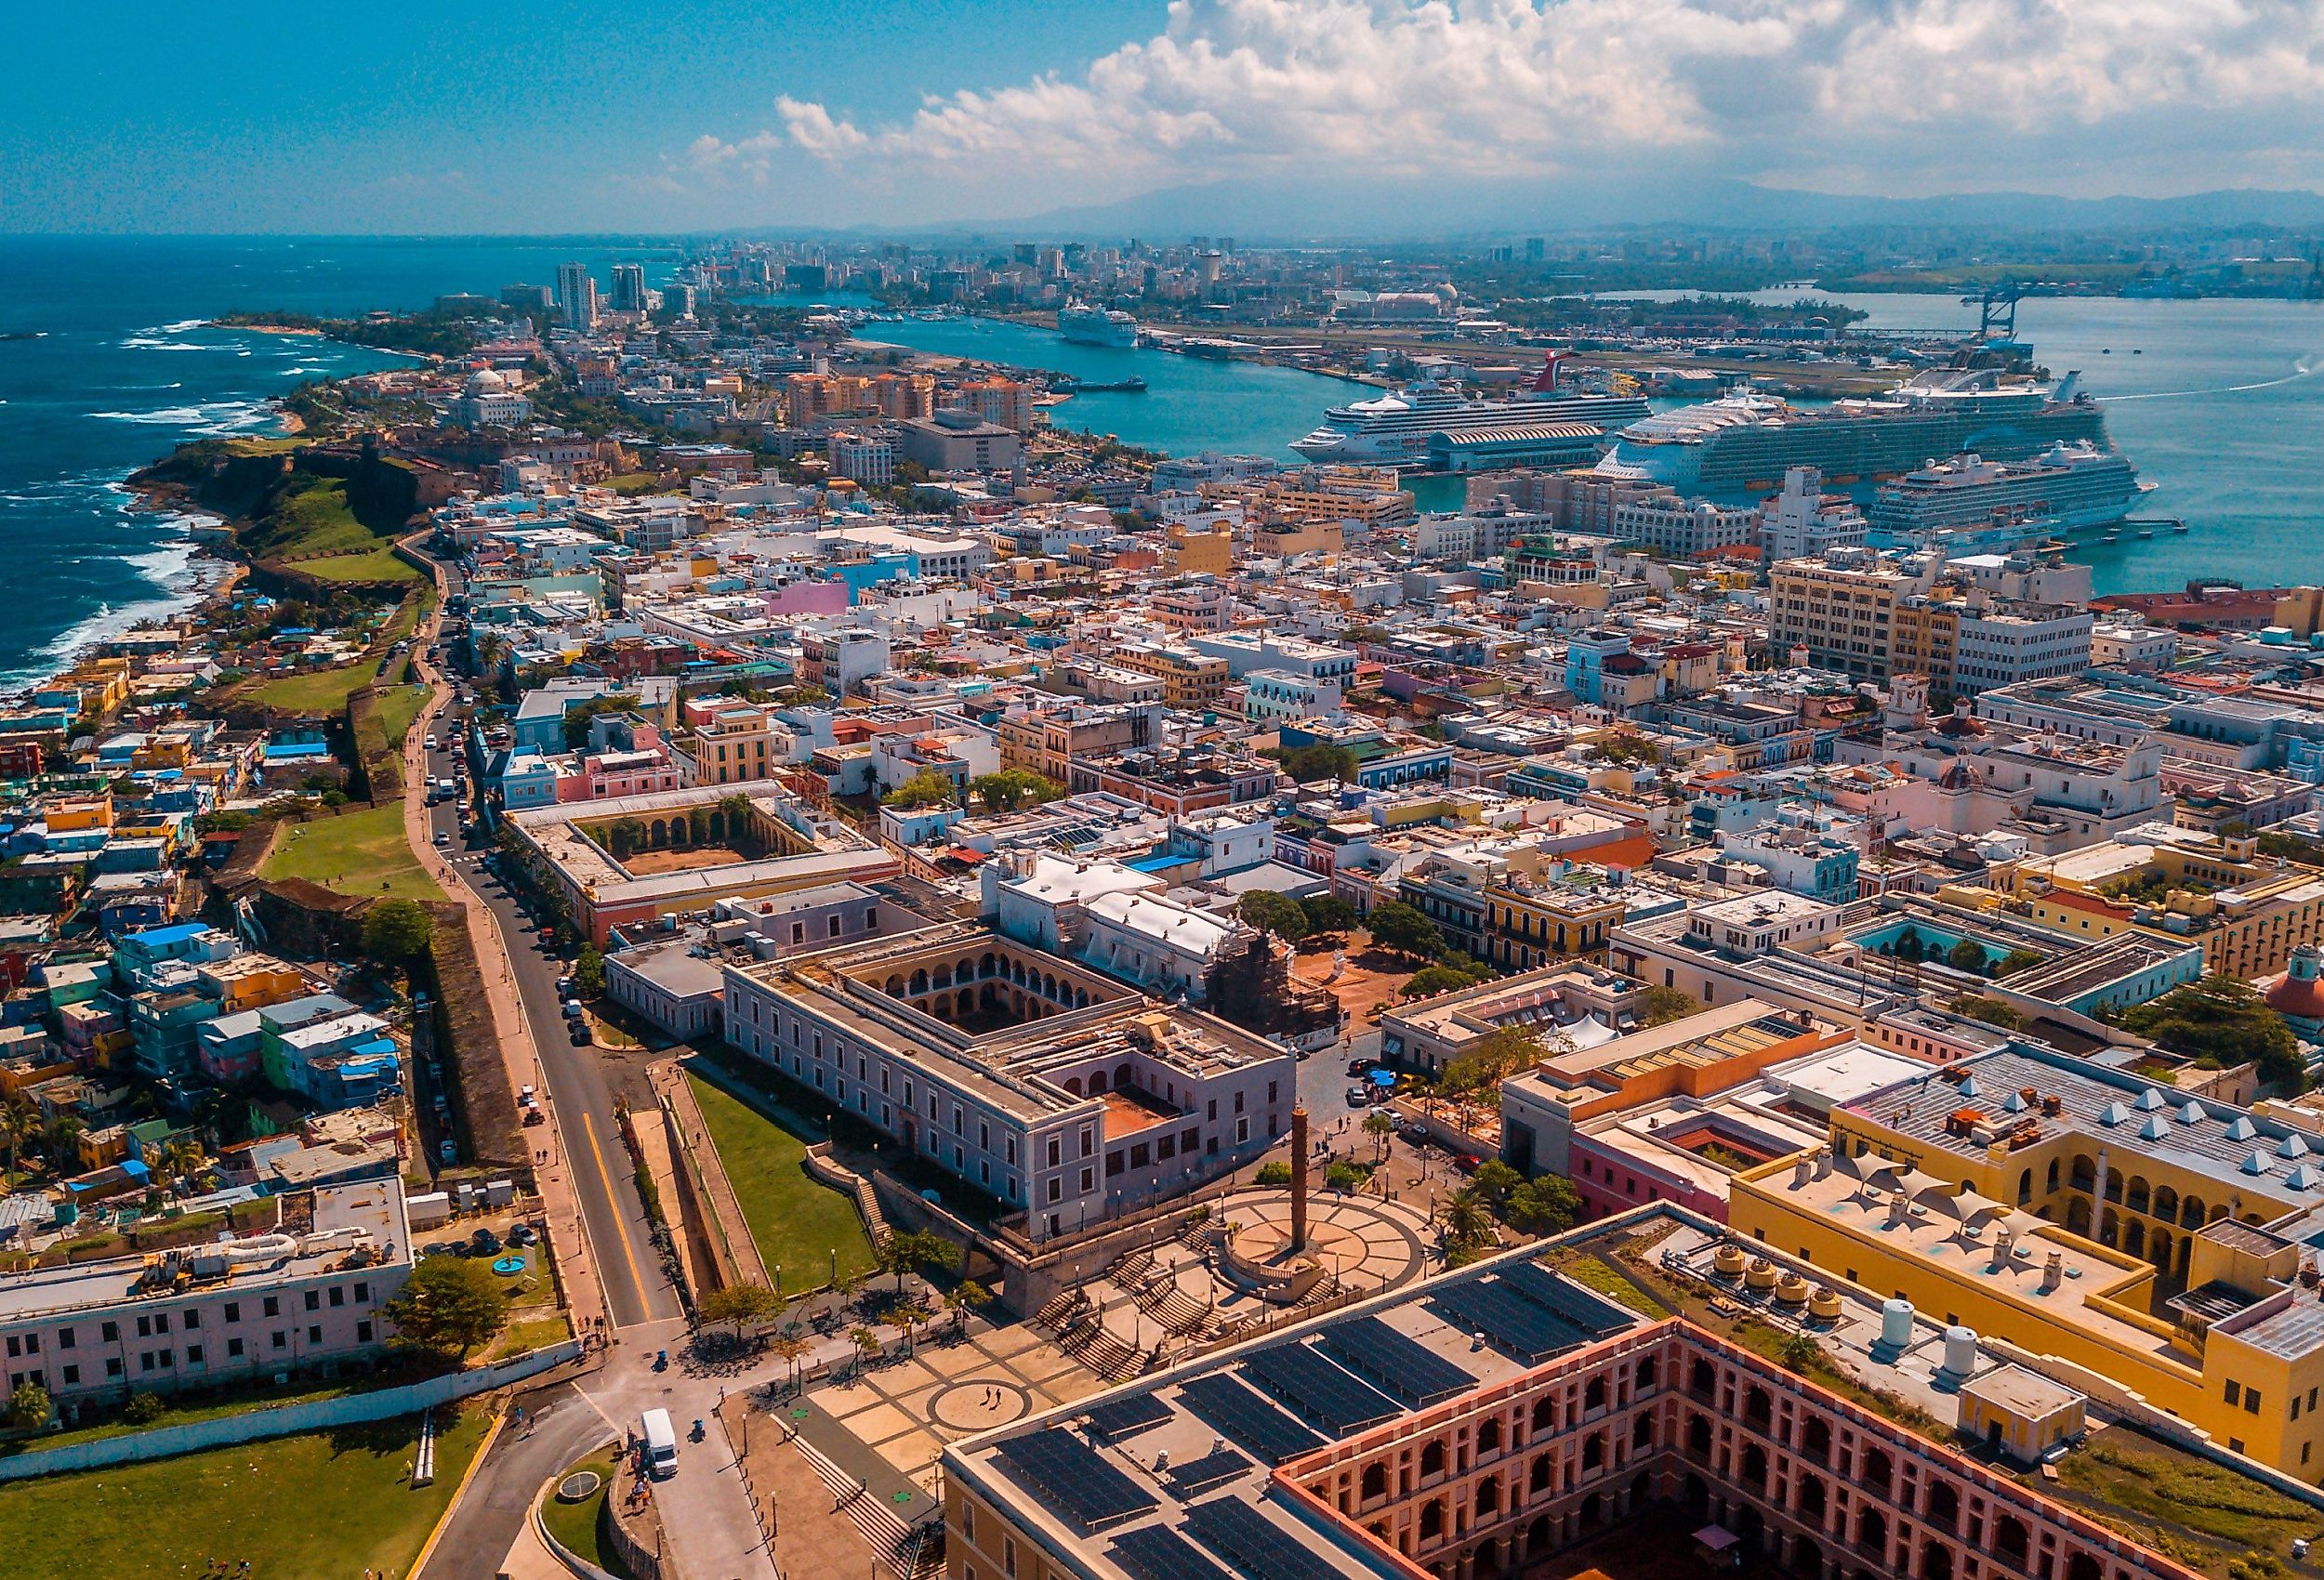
<point>314,520</point>
<point>324,1504</point>
<point>315,690</point>
<point>574,1525</point>
<point>797,1221</point>
<point>375,565</point>
<point>358,852</point>
<point>398,707</point>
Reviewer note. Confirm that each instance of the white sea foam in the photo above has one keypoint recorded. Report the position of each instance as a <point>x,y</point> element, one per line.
<point>176,568</point>
<point>147,343</point>
<point>212,419</point>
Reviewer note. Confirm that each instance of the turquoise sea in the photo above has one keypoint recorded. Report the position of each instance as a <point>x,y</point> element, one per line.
<point>104,364</point>
<point>2214,402</point>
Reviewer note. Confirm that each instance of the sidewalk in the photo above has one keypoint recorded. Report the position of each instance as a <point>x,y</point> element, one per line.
<point>716,1192</point>
<point>576,1270</point>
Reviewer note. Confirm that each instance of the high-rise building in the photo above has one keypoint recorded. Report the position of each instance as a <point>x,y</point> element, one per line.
<point>576,296</point>
<point>629,287</point>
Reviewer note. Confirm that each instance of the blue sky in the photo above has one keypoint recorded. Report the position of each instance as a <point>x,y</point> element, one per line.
<point>664,114</point>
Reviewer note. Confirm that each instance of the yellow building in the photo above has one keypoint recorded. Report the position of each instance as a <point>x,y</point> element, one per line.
<point>1190,681</point>
<point>1199,554</point>
<point>2180,885</point>
<point>1844,617</point>
<point>730,746</point>
<point>2083,1214</point>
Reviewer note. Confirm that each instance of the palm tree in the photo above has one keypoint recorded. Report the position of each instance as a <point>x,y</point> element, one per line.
<point>58,1139</point>
<point>181,1154</point>
<point>1379,1125</point>
<point>1466,1221</point>
<point>19,1122</point>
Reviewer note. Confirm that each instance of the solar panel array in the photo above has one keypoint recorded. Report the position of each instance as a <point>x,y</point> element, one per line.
<point>1335,1399</point>
<point>1156,1552</point>
<point>1242,1414</point>
<point>1069,1472</point>
<point>1213,1470</point>
<point>1389,1359</point>
<point>1599,1318</point>
<point>1254,1543</point>
<point>1118,1418</point>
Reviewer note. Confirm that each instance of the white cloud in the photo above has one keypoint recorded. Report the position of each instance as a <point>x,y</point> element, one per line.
<point>1949,93</point>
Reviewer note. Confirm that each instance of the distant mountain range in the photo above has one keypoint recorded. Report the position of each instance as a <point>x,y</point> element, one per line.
<point>1397,209</point>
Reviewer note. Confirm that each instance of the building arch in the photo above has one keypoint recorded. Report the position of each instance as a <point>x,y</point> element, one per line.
<point>2136,1196</point>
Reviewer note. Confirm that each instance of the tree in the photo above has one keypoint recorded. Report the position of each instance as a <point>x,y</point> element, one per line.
<point>866,1341</point>
<point>1797,1352</point>
<point>1966,955</point>
<point>2222,1019</point>
<point>19,1122</point>
<point>1992,1011</point>
<point>1311,763</point>
<point>1346,1177</point>
<point>1013,787</point>
<point>1328,913</point>
<point>1379,1125</point>
<point>29,1407</point>
<point>1493,1182</point>
<point>926,788</point>
<point>1546,1205</point>
<point>740,1303</point>
<point>2016,960</point>
<point>1401,929</point>
<point>181,1155</point>
<point>1468,1223</point>
<point>397,932</point>
<point>1430,981</point>
<point>589,971</point>
<point>910,1250</point>
<point>449,1305</point>
<point>1492,1059</point>
<point>581,715</point>
<point>963,1297</point>
<point>1275,1171</point>
<point>1269,912</point>
<point>1660,1005</point>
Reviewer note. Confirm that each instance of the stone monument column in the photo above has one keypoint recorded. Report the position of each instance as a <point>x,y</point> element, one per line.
<point>1298,1175</point>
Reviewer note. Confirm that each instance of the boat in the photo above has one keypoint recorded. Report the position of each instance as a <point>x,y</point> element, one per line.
<point>1736,448</point>
<point>1133,385</point>
<point>1973,504</point>
<point>1393,429</point>
<point>1085,325</point>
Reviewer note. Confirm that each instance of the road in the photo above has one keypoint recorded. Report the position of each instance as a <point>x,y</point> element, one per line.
<point>572,1083</point>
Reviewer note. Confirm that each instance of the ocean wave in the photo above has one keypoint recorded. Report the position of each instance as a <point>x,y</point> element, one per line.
<point>146,343</point>
<point>213,419</point>
<point>183,324</point>
<point>170,572</point>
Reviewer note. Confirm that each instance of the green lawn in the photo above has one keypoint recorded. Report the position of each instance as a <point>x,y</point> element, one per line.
<point>398,706</point>
<point>379,565</point>
<point>184,1410</point>
<point>312,517</point>
<point>576,1524</point>
<point>358,852</point>
<point>797,1221</point>
<point>315,690</point>
<point>322,1504</point>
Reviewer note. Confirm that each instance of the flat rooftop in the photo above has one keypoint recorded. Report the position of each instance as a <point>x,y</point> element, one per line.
<point>1180,1465</point>
<point>374,1207</point>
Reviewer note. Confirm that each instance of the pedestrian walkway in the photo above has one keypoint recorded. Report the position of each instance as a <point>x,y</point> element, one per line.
<point>576,1270</point>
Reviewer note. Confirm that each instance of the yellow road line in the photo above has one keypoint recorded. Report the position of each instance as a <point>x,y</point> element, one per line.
<point>621,1230</point>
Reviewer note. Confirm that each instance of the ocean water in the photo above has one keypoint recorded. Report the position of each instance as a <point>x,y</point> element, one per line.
<point>115,367</point>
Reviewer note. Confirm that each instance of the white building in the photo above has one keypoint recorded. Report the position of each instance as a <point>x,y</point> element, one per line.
<point>1162,946</point>
<point>488,399</point>
<point>1803,521</point>
<point>2014,642</point>
<point>864,457</point>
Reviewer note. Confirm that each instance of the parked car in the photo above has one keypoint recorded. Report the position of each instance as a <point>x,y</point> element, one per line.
<point>1358,1096</point>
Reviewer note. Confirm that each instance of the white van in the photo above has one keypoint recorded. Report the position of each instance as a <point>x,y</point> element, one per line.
<point>661,1445</point>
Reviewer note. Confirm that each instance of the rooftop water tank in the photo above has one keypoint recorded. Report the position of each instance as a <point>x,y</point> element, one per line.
<point>1896,1324</point>
<point>1960,1351</point>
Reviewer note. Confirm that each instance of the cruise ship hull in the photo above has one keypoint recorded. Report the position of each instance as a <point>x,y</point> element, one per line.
<point>1747,462</point>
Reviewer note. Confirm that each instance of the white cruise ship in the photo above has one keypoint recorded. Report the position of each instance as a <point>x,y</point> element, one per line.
<point>1973,504</point>
<point>1085,325</point>
<point>1393,429</point>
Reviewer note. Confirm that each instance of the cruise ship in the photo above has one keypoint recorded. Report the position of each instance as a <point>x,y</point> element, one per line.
<point>1739,446</point>
<point>1085,325</point>
<point>1973,504</point>
<point>1393,429</point>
